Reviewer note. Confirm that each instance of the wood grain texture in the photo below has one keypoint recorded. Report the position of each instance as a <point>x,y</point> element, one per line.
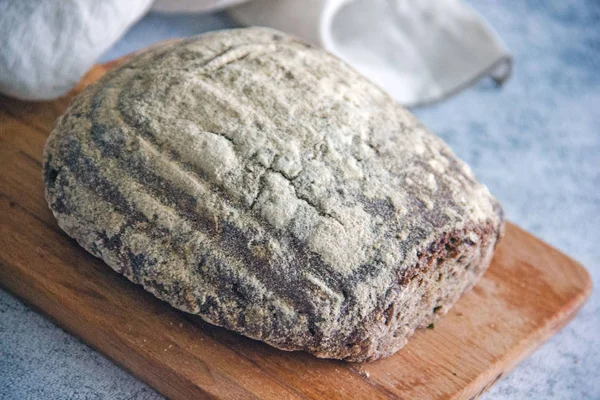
<point>529,293</point>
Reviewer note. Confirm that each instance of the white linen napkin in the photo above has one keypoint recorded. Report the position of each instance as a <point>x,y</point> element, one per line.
<point>46,46</point>
<point>419,51</point>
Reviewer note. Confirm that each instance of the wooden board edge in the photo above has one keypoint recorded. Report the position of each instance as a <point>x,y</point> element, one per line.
<point>505,365</point>
<point>169,384</point>
<point>537,339</point>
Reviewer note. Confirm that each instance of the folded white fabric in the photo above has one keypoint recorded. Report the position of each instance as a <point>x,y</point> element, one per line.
<point>419,51</point>
<point>46,46</point>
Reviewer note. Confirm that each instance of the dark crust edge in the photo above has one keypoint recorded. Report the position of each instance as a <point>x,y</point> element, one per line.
<point>471,260</point>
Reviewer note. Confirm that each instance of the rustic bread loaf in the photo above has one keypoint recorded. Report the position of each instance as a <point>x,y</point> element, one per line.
<point>266,186</point>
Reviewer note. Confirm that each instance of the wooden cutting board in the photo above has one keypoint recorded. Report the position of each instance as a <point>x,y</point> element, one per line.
<point>529,293</point>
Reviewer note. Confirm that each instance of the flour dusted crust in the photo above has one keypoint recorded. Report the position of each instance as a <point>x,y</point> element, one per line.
<point>265,185</point>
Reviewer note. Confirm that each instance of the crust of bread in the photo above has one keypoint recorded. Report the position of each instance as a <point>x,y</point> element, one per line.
<point>266,186</point>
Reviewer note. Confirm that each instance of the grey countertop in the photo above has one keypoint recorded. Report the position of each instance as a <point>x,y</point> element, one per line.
<point>535,143</point>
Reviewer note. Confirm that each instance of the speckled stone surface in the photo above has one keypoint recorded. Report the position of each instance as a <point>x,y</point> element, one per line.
<point>535,143</point>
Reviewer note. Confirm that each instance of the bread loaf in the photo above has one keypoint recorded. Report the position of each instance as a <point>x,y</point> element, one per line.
<point>266,186</point>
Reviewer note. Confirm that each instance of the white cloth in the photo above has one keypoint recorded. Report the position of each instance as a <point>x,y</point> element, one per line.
<point>46,46</point>
<point>419,51</point>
